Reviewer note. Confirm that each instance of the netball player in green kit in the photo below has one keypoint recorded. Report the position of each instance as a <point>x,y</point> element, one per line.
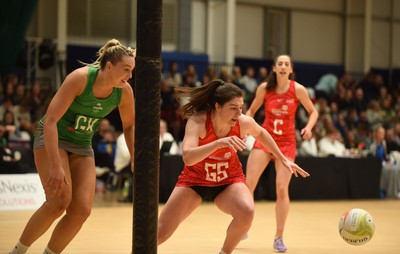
<point>62,146</point>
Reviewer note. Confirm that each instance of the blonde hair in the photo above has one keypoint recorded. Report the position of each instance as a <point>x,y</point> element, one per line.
<point>112,51</point>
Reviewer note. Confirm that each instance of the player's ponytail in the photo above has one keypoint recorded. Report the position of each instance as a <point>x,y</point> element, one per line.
<point>203,98</point>
<point>112,51</point>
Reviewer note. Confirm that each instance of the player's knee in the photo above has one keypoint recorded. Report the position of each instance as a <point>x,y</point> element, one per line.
<point>80,214</point>
<point>162,234</point>
<point>282,190</point>
<point>246,214</point>
<point>57,207</point>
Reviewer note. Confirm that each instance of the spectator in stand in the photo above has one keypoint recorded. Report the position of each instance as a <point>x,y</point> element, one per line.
<point>326,86</point>
<point>389,113</point>
<point>9,92</point>
<point>391,143</point>
<point>332,143</point>
<point>347,82</point>
<point>23,116</point>
<point>191,70</point>
<point>6,106</point>
<point>165,136</point>
<point>103,143</point>
<point>188,80</point>
<point>211,73</point>
<point>237,77</point>
<point>370,87</point>
<point>359,102</point>
<point>378,145</point>
<point>174,74</point>
<point>350,141</point>
<point>347,101</point>
<point>36,99</point>
<point>8,161</point>
<point>250,84</point>
<point>262,75</point>
<point>375,115</point>
<point>19,94</point>
<point>13,126</point>
<point>363,131</point>
<point>309,147</point>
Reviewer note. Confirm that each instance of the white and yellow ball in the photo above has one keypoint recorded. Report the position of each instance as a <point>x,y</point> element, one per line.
<point>356,226</point>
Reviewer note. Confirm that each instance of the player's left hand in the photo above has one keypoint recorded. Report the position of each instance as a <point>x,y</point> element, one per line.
<point>295,169</point>
<point>306,133</point>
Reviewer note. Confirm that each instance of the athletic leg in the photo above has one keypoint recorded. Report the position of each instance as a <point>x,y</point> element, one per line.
<point>237,201</point>
<point>83,180</point>
<point>53,207</point>
<point>283,177</point>
<point>256,164</point>
<point>180,205</point>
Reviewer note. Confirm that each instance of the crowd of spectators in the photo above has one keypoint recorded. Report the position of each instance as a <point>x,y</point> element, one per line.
<point>350,111</point>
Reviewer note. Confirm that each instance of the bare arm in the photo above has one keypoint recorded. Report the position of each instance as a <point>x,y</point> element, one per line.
<point>249,126</point>
<point>302,95</point>
<point>127,112</point>
<point>258,100</point>
<point>192,152</point>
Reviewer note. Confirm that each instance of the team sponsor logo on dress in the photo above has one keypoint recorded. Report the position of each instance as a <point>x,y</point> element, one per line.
<point>284,110</point>
<point>226,156</point>
<point>97,108</point>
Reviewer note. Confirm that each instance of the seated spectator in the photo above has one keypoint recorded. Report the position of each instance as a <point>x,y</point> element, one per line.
<point>378,145</point>
<point>9,160</point>
<point>122,167</point>
<point>7,105</point>
<point>326,86</point>
<point>14,133</point>
<point>332,143</point>
<point>391,143</point>
<point>308,148</point>
<point>390,176</point>
<point>165,137</point>
<point>103,144</point>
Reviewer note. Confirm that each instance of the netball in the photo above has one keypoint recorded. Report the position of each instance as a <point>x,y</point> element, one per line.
<point>356,226</point>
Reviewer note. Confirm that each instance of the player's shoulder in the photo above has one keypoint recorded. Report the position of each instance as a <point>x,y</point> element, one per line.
<point>77,79</point>
<point>245,120</point>
<point>199,117</point>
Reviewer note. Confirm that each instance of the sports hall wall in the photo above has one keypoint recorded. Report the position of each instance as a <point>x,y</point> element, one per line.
<point>321,36</point>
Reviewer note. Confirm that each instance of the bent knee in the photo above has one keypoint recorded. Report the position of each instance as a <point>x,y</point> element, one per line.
<point>162,234</point>
<point>245,213</point>
<point>56,207</point>
<point>80,214</point>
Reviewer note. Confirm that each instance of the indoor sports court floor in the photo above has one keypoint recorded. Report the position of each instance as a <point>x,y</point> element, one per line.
<point>312,227</point>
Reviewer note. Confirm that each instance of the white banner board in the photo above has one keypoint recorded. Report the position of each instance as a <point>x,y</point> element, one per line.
<point>21,192</point>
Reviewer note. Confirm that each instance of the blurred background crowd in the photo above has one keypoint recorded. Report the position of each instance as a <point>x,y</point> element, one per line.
<point>357,117</point>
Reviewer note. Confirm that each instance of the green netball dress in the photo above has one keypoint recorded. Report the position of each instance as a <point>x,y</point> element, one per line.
<point>77,126</point>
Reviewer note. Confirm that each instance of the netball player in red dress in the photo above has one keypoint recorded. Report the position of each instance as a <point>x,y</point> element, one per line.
<point>280,96</point>
<point>212,170</point>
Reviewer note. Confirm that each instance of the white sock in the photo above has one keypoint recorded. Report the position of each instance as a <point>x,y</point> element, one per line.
<point>19,248</point>
<point>222,252</point>
<point>48,251</point>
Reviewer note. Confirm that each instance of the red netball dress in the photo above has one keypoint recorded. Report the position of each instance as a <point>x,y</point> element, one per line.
<point>222,167</point>
<point>280,112</point>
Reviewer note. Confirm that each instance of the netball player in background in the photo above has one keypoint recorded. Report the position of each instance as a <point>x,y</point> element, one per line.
<point>62,146</point>
<point>212,171</point>
<point>280,96</point>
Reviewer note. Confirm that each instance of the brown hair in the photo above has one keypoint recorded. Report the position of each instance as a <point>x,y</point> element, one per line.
<point>112,51</point>
<point>272,82</point>
<point>203,98</point>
